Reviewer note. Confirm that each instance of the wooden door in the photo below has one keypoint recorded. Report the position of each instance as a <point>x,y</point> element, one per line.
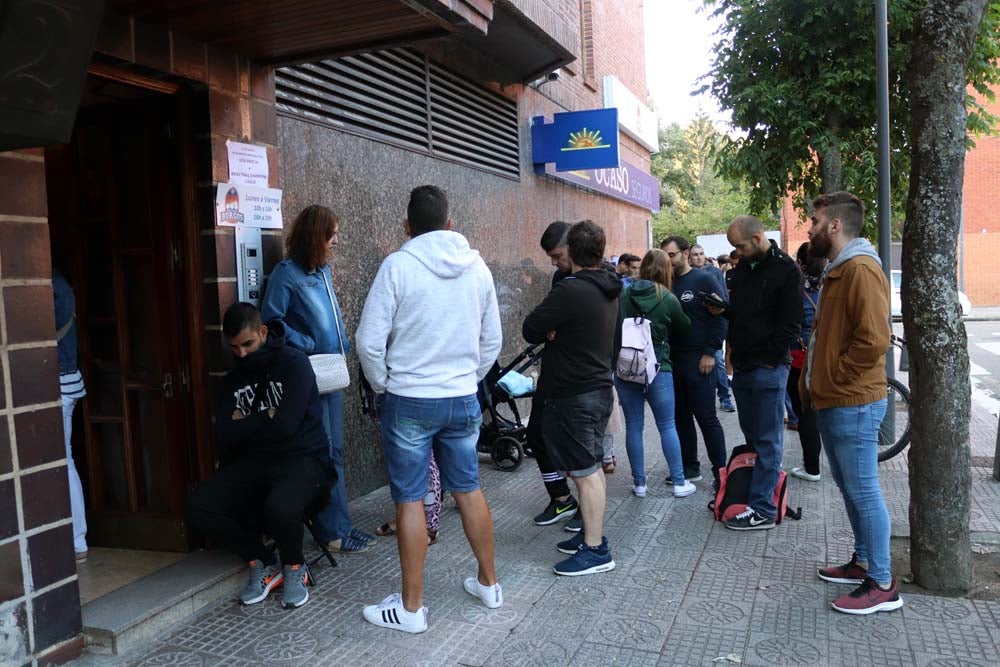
<point>122,220</point>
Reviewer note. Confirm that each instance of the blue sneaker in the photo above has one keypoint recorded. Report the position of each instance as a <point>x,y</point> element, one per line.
<point>587,560</point>
<point>348,545</point>
<point>572,545</point>
<point>727,405</point>
<point>361,535</point>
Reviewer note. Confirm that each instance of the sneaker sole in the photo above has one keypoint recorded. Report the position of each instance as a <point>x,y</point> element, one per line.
<point>393,626</point>
<point>839,580</point>
<point>267,591</point>
<point>568,552</point>
<point>479,597</point>
<point>891,605</point>
<point>765,526</point>
<point>568,514</point>
<point>597,569</point>
<point>572,530</point>
<point>296,605</point>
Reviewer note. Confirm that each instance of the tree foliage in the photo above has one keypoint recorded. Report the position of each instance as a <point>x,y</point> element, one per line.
<point>799,79</point>
<point>694,198</point>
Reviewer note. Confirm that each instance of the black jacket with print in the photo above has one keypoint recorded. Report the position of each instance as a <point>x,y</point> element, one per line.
<point>275,376</point>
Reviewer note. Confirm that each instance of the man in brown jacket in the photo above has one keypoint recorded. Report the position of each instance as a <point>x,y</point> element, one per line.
<point>844,380</point>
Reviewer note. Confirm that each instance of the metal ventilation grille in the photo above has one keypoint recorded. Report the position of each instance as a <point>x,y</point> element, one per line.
<point>473,125</point>
<point>399,97</point>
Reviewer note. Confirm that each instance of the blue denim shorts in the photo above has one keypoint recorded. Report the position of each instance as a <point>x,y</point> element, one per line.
<point>412,427</point>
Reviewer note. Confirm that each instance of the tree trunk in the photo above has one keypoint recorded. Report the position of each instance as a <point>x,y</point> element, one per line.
<point>831,164</point>
<point>940,476</point>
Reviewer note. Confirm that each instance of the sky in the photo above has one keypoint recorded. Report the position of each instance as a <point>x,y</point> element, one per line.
<point>679,42</point>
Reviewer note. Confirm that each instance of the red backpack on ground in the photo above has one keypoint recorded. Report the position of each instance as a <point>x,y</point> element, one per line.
<point>734,487</point>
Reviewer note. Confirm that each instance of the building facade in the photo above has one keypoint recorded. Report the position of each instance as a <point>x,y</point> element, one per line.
<point>354,107</point>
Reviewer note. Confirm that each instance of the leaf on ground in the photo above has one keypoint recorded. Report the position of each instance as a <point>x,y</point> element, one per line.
<point>732,657</point>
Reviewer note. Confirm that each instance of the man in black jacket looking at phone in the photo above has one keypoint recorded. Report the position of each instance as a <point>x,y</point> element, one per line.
<point>694,357</point>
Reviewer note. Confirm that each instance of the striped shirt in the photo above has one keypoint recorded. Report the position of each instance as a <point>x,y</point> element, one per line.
<point>71,385</point>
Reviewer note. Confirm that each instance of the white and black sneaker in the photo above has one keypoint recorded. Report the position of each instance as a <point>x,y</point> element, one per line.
<point>748,519</point>
<point>390,613</point>
<point>491,596</point>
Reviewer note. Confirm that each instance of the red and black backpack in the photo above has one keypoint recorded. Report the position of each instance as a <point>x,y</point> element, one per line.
<point>734,487</point>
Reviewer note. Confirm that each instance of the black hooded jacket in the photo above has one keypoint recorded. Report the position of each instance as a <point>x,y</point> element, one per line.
<point>583,311</point>
<point>284,380</point>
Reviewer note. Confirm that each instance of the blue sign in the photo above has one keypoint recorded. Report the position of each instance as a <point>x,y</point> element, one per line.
<point>576,140</point>
<point>627,182</point>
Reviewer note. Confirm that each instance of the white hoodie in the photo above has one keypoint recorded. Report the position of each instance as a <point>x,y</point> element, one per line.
<point>430,327</point>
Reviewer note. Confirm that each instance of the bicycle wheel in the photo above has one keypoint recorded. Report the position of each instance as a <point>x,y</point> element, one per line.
<point>894,433</point>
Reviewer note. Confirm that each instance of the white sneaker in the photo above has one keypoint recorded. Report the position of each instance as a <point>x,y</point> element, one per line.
<point>639,490</point>
<point>491,596</point>
<point>686,490</point>
<point>390,613</point>
<point>802,474</point>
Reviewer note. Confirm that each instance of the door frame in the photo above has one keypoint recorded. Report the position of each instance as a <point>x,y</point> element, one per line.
<point>201,457</point>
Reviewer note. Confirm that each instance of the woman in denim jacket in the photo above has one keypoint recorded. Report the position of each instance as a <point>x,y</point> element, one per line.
<point>300,295</point>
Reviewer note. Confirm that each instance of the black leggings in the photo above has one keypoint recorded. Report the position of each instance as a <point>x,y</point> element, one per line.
<point>808,433</point>
<point>255,494</point>
<point>555,480</point>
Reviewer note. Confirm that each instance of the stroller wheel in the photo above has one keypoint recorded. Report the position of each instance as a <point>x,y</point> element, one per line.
<point>507,453</point>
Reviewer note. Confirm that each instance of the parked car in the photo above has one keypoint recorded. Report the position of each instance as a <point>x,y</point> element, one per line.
<point>896,304</point>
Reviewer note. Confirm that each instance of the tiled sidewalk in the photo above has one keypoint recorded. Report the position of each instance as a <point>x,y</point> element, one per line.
<point>685,592</point>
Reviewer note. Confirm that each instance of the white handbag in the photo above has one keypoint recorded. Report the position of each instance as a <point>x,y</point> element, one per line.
<point>331,369</point>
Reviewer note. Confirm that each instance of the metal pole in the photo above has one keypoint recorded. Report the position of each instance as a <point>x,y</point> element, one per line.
<point>884,202</point>
<point>882,94</point>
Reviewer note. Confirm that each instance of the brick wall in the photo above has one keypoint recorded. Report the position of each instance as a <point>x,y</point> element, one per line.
<point>982,224</point>
<point>39,597</point>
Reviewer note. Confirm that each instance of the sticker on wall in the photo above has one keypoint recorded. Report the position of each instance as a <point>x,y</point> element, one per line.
<point>247,164</point>
<point>248,206</point>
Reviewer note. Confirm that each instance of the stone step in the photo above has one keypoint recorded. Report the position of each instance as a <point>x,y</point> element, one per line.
<point>130,616</point>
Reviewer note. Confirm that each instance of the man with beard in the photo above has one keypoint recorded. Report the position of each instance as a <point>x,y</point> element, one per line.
<point>765,315</point>
<point>275,454</point>
<point>844,381</point>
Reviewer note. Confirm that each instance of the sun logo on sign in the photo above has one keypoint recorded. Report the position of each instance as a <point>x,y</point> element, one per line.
<point>585,140</point>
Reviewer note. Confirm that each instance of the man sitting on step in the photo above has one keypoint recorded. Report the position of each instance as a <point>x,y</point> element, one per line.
<point>274,453</point>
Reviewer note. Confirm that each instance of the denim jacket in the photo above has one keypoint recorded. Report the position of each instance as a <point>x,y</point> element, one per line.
<point>65,307</point>
<point>298,299</point>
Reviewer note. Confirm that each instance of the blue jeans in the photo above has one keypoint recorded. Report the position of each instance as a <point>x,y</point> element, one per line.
<point>721,379</point>
<point>333,521</point>
<point>760,399</point>
<point>412,427</point>
<point>850,439</point>
<point>660,396</point>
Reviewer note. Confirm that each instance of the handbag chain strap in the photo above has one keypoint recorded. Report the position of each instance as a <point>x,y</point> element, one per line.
<point>336,320</point>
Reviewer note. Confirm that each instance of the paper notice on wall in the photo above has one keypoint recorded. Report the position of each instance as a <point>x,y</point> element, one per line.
<point>247,164</point>
<point>247,206</point>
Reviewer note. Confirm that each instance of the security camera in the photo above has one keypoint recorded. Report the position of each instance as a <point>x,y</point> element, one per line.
<point>554,75</point>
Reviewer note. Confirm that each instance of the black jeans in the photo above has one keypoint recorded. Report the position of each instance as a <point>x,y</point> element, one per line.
<point>812,445</point>
<point>555,480</point>
<point>256,493</point>
<point>694,395</point>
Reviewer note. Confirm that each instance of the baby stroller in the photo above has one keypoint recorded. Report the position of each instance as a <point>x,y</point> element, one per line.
<point>500,436</point>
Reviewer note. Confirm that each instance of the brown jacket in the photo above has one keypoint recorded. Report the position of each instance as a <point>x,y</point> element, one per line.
<point>851,337</point>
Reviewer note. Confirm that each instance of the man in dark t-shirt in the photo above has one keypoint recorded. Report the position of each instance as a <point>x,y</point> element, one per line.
<point>694,360</point>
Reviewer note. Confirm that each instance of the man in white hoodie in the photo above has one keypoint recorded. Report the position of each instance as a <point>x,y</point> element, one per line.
<point>429,332</point>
